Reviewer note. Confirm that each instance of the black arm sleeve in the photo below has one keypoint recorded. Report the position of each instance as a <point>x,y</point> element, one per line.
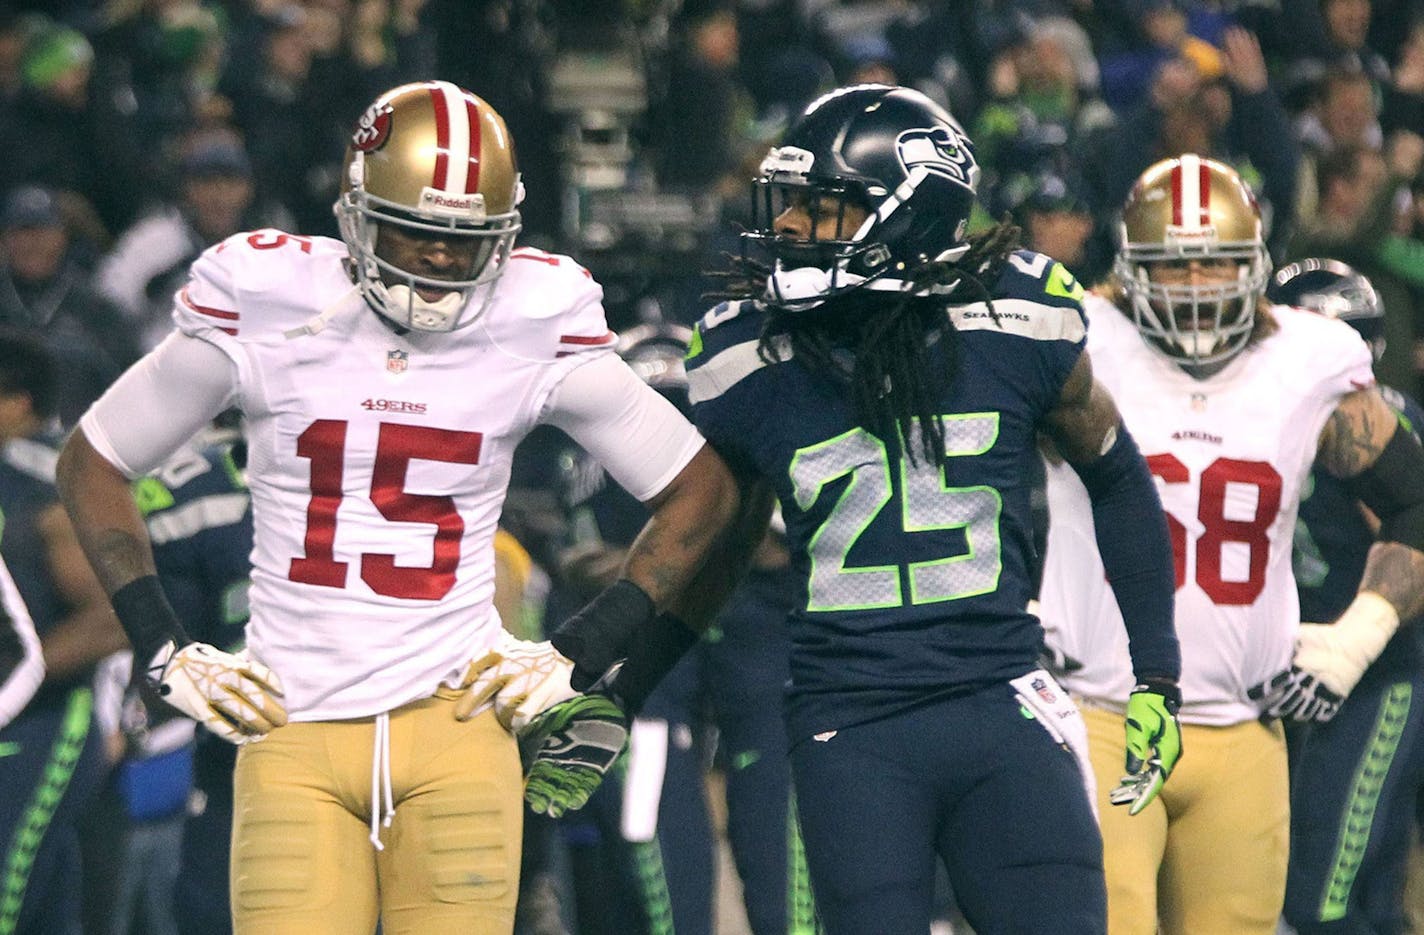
<point>599,635</point>
<point>147,617</point>
<point>657,647</point>
<point>1132,536</point>
<point>1393,487</point>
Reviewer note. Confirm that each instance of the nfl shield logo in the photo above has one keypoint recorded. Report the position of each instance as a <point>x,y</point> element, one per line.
<point>1044,692</point>
<point>397,361</point>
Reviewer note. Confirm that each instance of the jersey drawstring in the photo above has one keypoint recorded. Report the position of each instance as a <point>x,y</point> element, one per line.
<point>381,799</point>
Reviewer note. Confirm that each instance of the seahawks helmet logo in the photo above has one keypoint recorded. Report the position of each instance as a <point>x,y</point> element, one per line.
<point>939,150</point>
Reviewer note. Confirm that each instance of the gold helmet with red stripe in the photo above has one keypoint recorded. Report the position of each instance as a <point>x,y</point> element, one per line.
<point>1190,212</point>
<point>434,160</point>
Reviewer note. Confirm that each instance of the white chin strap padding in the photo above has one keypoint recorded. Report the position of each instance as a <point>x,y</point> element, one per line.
<point>803,284</point>
<point>427,316</point>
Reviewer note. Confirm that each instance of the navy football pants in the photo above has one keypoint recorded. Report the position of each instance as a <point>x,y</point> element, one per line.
<point>51,766</point>
<point>969,780</point>
<point>1354,786</point>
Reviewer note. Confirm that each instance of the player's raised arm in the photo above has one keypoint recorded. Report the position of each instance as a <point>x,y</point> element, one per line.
<point>1365,443</point>
<point>1132,537</point>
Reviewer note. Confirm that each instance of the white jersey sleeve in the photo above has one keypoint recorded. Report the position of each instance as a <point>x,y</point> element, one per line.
<point>159,403</point>
<point>636,434</point>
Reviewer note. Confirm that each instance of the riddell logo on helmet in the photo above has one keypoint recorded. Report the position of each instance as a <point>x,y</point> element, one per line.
<point>445,201</point>
<point>373,129</point>
<point>469,207</point>
<point>1203,234</point>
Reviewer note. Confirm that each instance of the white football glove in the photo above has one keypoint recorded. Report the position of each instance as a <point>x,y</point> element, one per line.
<point>235,697</point>
<point>1337,654</point>
<point>520,679</point>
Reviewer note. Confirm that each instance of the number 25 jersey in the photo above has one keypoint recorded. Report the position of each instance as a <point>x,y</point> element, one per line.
<point>915,576</point>
<point>1230,454</point>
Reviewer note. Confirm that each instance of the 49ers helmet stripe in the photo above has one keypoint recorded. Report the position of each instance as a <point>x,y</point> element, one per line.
<point>1191,193</point>
<point>457,139</point>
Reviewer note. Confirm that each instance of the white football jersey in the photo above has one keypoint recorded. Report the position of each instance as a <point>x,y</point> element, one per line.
<point>378,462</point>
<point>1230,454</point>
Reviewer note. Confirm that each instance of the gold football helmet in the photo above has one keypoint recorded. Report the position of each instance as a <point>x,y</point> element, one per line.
<point>432,159</point>
<point>1183,210</point>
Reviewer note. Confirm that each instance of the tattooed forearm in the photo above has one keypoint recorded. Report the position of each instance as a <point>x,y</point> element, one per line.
<point>106,520</point>
<point>666,554</point>
<point>119,557</point>
<point>686,522</point>
<point>1356,433</point>
<point>1396,572</point>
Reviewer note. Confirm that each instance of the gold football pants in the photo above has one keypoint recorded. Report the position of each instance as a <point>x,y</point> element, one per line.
<point>1208,857</point>
<point>302,859</point>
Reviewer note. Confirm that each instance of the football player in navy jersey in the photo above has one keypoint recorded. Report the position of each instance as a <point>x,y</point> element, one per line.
<point>885,376</point>
<point>1355,780</point>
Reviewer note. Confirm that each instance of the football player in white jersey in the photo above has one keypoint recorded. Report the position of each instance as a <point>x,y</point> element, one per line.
<point>1232,401</point>
<point>385,380</point>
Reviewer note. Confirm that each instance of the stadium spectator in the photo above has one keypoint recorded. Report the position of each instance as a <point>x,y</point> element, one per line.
<point>1358,191</point>
<point>1038,117</point>
<point>44,291</point>
<point>70,132</point>
<point>1220,105</point>
<point>216,199</point>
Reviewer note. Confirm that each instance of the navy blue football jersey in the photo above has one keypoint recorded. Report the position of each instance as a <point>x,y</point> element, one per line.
<point>199,517</point>
<point>915,577</point>
<point>1333,538</point>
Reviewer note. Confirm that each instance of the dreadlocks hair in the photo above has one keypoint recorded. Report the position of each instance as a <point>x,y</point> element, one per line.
<point>890,372</point>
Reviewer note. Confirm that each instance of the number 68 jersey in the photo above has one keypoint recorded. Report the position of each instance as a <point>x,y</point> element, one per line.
<point>378,460</point>
<point>1230,454</point>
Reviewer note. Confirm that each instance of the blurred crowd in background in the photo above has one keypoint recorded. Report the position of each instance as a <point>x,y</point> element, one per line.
<point>137,133</point>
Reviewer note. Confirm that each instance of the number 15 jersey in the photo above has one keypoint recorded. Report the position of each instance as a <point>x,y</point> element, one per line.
<point>378,460</point>
<point>1230,454</point>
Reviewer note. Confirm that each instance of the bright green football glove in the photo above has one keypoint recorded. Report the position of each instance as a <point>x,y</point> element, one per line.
<point>574,742</point>
<point>1154,744</point>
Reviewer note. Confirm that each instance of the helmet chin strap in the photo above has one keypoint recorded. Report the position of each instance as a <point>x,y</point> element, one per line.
<point>427,316</point>
<point>806,287</point>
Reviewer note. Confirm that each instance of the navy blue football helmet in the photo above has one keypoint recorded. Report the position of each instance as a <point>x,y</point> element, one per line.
<point>888,150</point>
<point>1336,290</point>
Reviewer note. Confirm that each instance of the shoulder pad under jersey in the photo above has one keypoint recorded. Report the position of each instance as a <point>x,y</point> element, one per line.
<point>548,306</point>
<point>1034,297</point>
<point>724,349</point>
<point>1037,278</point>
<point>1325,353</point>
<point>259,283</point>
